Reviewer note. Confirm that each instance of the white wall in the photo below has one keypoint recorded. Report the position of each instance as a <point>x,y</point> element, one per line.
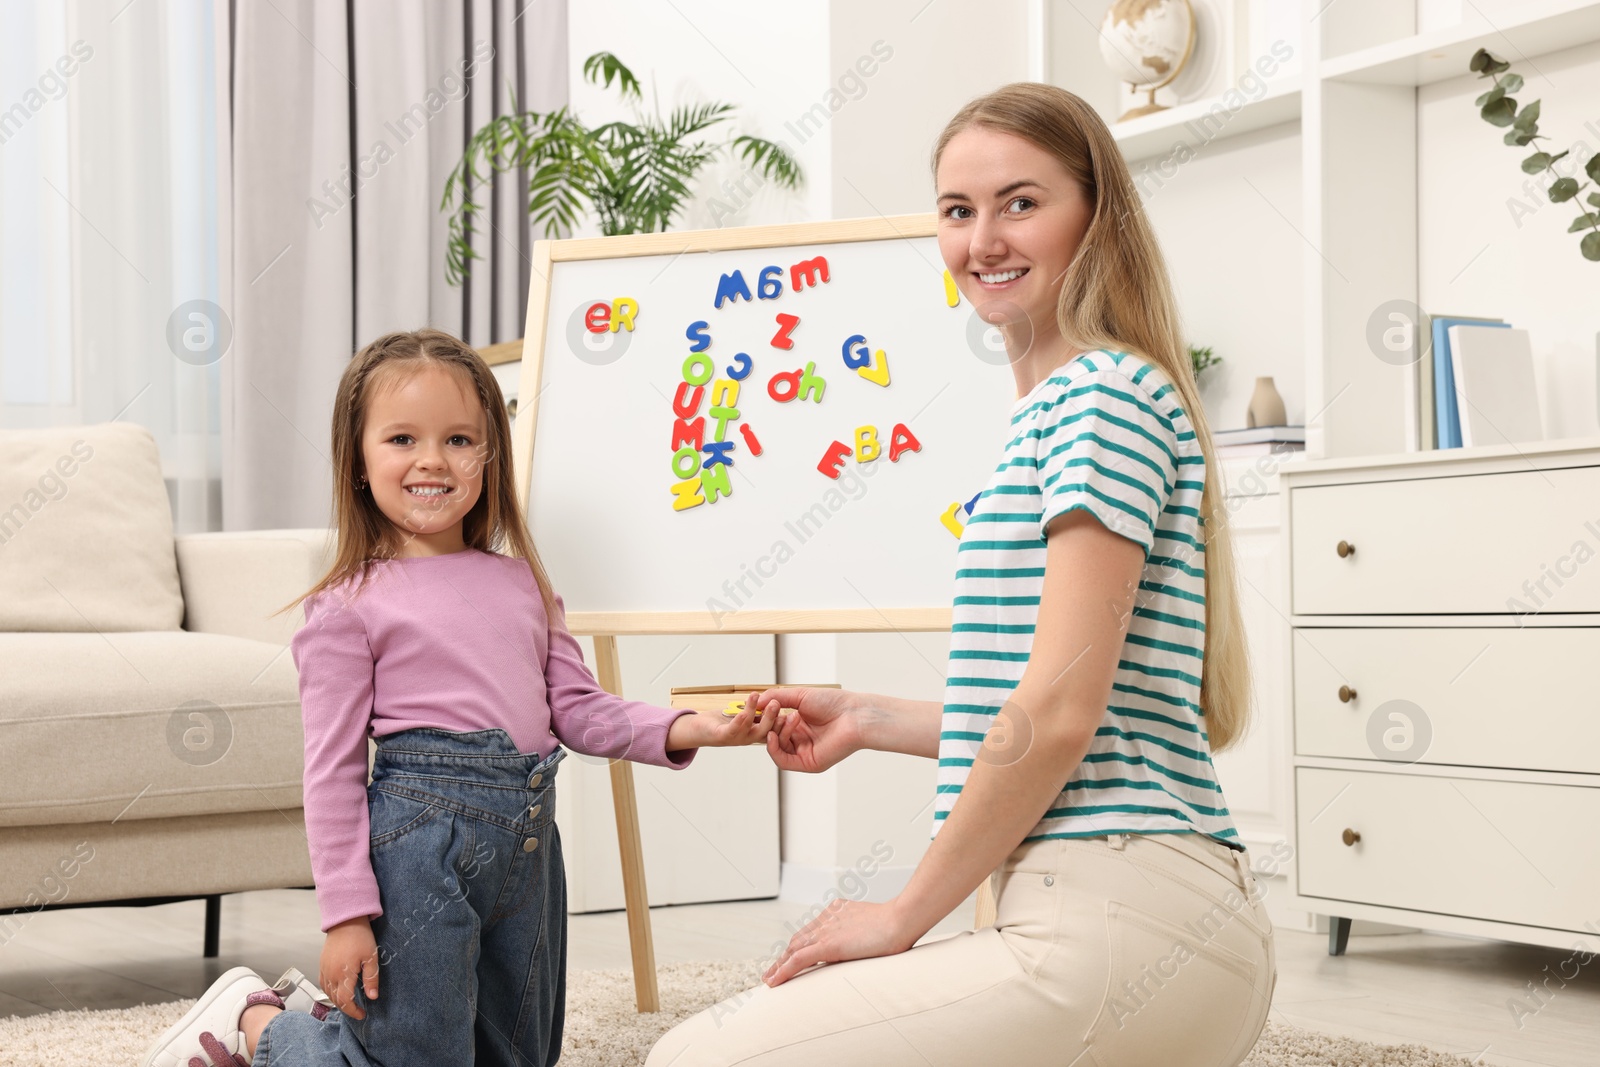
<point>699,51</point>
<point>1229,225</point>
<point>1493,244</point>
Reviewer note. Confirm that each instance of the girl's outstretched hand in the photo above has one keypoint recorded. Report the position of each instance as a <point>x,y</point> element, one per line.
<point>350,955</point>
<point>709,729</point>
<point>824,728</point>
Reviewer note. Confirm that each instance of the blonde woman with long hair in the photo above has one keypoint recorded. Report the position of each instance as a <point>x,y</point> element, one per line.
<point>1097,661</point>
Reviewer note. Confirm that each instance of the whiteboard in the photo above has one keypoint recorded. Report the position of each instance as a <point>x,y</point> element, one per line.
<point>596,422</point>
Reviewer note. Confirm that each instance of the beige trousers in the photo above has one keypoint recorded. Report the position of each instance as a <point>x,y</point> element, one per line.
<point>1116,951</point>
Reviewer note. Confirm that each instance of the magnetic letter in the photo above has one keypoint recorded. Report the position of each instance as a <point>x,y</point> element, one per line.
<point>715,483</point>
<point>724,393</point>
<point>811,384</point>
<point>623,309</point>
<point>716,452</point>
<point>867,446</point>
<point>750,439</point>
<point>685,404</point>
<point>952,295</point>
<point>732,287</point>
<point>697,333</point>
<point>786,325</point>
<point>698,369</point>
<point>808,271</point>
<point>791,379</point>
<point>685,432</point>
<point>597,318</point>
<point>878,375</point>
<point>855,352</point>
<point>686,494</point>
<point>950,521</point>
<point>770,284</point>
<point>833,459</point>
<point>723,417</point>
<point>902,440</point>
<point>683,456</point>
<point>742,361</point>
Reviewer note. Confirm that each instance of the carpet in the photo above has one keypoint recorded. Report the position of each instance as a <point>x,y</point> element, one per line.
<point>603,1030</point>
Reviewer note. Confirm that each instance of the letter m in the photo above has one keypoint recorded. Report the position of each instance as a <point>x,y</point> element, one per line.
<point>808,271</point>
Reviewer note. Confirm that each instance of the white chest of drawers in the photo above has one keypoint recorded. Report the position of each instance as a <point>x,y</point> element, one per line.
<point>1445,617</point>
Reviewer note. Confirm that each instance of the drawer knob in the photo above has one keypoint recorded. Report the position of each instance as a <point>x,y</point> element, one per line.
<point>1346,549</point>
<point>1346,694</point>
<point>1350,837</point>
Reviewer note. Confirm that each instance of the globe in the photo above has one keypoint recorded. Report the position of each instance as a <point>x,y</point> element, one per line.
<point>1146,43</point>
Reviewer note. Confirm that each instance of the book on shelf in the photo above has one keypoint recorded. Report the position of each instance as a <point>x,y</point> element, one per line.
<point>1442,401</point>
<point>1258,441</point>
<point>1495,397</point>
<point>1257,434</point>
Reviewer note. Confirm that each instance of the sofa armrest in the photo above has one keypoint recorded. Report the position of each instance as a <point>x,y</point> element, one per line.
<point>233,581</point>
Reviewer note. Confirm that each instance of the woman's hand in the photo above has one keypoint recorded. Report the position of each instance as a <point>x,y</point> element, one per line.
<point>846,930</point>
<point>349,954</point>
<point>823,729</point>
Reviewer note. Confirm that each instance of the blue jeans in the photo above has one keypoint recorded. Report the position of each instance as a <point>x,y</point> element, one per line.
<point>472,942</point>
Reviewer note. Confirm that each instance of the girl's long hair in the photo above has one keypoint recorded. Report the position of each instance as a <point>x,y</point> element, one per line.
<point>495,523</point>
<point>1116,295</point>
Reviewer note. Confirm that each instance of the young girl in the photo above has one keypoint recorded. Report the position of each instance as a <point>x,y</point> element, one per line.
<point>442,881</point>
<point>1096,662</point>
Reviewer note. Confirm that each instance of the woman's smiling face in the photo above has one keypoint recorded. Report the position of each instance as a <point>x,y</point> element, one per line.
<point>1011,218</point>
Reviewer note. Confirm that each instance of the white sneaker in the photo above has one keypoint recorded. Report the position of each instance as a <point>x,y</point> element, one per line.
<point>210,1031</point>
<point>299,993</point>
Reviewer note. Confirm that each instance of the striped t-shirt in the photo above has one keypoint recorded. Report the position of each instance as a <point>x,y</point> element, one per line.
<point>1106,433</point>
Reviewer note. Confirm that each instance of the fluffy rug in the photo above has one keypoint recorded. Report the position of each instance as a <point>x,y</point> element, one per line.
<point>603,1030</point>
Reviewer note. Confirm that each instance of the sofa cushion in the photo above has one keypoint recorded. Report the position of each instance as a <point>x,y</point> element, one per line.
<point>85,531</point>
<point>102,727</point>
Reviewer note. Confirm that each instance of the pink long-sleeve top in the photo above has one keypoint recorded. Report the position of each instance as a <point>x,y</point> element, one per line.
<point>453,642</point>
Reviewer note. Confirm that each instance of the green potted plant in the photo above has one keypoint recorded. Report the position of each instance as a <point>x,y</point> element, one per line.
<point>1202,358</point>
<point>634,175</point>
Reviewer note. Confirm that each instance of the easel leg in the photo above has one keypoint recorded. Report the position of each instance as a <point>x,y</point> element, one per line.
<point>646,994</point>
<point>984,915</point>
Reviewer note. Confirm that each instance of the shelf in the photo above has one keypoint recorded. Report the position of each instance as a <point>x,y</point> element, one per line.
<point>1199,122</point>
<point>1440,54</point>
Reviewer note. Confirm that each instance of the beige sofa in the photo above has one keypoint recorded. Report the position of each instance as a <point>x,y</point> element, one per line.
<point>149,711</point>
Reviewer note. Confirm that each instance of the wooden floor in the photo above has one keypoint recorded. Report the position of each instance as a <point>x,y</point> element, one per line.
<point>1451,994</point>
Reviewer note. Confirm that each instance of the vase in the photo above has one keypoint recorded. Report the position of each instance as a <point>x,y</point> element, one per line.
<point>1266,406</point>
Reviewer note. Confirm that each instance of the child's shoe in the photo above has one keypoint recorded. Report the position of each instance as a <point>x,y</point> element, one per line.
<point>209,1034</point>
<point>300,994</point>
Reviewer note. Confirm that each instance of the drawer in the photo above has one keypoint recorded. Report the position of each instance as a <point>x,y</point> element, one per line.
<point>1502,851</point>
<point>1479,544</point>
<point>1481,696</point>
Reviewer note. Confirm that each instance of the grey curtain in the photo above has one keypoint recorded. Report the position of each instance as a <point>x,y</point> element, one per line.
<point>346,119</point>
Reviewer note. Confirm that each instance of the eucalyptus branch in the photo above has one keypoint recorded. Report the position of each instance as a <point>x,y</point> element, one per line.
<point>1498,108</point>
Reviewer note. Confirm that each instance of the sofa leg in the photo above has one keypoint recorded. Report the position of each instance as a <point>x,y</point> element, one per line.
<point>213,925</point>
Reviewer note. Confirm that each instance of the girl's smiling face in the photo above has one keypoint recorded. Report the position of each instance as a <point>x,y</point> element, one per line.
<point>424,448</point>
<point>1011,219</point>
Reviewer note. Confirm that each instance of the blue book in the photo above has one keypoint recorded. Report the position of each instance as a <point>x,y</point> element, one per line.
<point>1447,418</point>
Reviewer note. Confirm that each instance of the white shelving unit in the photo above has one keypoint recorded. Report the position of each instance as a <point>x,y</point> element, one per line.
<point>1200,122</point>
<point>1355,99</point>
<point>1354,103</point>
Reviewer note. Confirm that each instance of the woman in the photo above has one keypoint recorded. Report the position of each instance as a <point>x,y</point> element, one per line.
<point>1097,661</point>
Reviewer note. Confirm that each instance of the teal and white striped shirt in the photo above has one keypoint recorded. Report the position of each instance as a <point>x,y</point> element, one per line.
<point>1105,433</point>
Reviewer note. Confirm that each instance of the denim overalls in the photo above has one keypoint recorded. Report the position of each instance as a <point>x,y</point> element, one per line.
<point>472,940</point>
